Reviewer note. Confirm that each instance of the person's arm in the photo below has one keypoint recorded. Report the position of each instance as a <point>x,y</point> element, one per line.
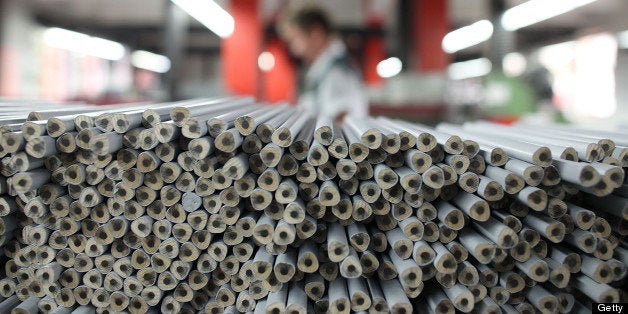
<point>341,93</point>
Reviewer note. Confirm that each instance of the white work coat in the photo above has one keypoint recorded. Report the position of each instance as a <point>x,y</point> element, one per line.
<point>331,87</point>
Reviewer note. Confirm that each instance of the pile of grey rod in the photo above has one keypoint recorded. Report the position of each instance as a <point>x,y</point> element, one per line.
<point>225,206</point>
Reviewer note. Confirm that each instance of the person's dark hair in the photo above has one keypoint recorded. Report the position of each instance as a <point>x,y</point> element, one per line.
<point>306,18</point>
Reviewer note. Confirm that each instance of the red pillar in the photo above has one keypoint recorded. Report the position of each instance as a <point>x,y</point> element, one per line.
<point>374,44</point>
<point>239,52</point>
<point>374,52</point>
<point>430,25</point>
<point>280,83</point>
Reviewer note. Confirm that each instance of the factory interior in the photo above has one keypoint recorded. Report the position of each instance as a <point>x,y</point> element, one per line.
<point>313,156</point>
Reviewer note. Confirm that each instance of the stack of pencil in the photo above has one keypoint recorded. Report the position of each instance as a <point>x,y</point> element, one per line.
<point>226,205</point>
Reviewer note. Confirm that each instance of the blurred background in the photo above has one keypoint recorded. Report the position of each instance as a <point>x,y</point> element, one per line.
<point>425,60</point>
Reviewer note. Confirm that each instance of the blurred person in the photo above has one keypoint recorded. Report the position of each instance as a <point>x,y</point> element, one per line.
<point>331,87</point>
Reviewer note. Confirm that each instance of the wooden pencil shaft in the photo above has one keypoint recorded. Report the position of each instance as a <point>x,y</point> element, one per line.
<point>449,174</point>
<point>287,132</point>
<point>181,113</point>
<point>573,135</point>
<point>596,269</point>
<point>424,140</point>
<point>276,300</point>
<point>324,130</point>
<point>444,261</point>
<point>303,140</point>
<point>589,134</point>
<point>409,272</point>
<point>359,296</point>
<point>583,240</point>
<point>489,189</point>
<point>419,161</point>
<point>569,259</point>
<point>369,136</point>
<point>166,131</point>
<point>265,130</point>
<point>248,123</point>
<point>586,151</point>
<point>340,150</point>
<point>542,299</point>
<point>337,242</point>
<point>494,156</point>
<point>532,153</point>
<point>467,274</point>
<point>224,121</point>
<point>540,249</point>
<point>459,252</point>
<point>33,129</point>
<point>379,156</point>
<point>24,162</point>
<point>604,249</point>
<point>468,181</point>
<point>430,232</point>
<point>350,266</point>
<point>362,210</point>
<point>576,172</point>
<point>449,215</point>
<point>500,234</point>
<point>480,247</point>
<point>460,296</point>
<point>13,142</point>
<point>551,229</point>
<point>391,144</point>
<point>614,173</point>
<point>471,148</point>
<point>452,143</point>
<point>438,302</point>
<point>168,151</point>
<point>459,163</point>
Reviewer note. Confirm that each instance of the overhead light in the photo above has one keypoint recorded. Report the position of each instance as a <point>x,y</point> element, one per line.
<point>209,14</point>
<point>467,36</point>
<point>150,61</point>
<point>389,67</point>
<point>83,44</point>
<point>468,69</point>
<point>514,64</point>
<point>622,40</point>
<point>266,61</point>
<point>535,11</point>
